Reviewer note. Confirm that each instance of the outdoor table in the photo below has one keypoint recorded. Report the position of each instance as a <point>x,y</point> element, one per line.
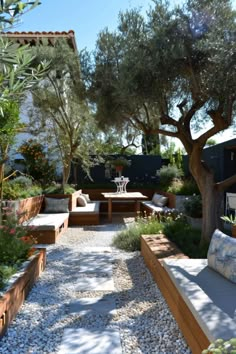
<point>134,196</point>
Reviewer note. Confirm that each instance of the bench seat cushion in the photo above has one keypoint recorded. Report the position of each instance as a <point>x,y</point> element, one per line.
<point>89,208</point>
<point>209,296</point>
<point>149,204</point>
<point>48,221</point>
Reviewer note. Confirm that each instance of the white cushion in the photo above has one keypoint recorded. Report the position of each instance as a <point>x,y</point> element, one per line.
<point>209,296</point>
<point>86,197</point>
<point>47,221</point>
<point>222,255</point>
<point>81,201</point>
<point>90,208</point>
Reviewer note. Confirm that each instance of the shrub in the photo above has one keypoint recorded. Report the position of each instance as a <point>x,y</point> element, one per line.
<point>15,244</point>
<point>168,174</point>
<point>5,273</point>
<point>23,181</point>
<point>193,206</point>
<point>58,189</point>
<point>13,190</point>
<point>129,239</point>
<point>185,237</point>
<point>37,164</point>
<point>183,187</point>
<point>221,346</point>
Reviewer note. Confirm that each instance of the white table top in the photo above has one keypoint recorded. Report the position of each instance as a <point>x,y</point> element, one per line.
<point>127,195</point>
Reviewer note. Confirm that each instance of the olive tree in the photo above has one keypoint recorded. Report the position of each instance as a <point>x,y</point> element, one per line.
<point>184,67</point>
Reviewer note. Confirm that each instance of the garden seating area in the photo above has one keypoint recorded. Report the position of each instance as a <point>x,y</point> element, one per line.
<point>48,216</point>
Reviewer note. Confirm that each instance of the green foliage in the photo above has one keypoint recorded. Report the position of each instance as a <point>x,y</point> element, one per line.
<point>183,187</point>
<point>5,273</point>
<point>59,105</point>
<point>14,190</point>
<point>221,346</point>
<point>11,11</point>
<point>120,161</point>
<point>59,189</point>
<point>186,238</point>
<point>9,123</point>
<point>211,142</point>
<point>193,206</point>
<point>23,181</point>
<point>129,239</point>
<point>231,219</point>
<point>168,174</point>
<point>15,245</point>
<point>37,164</point>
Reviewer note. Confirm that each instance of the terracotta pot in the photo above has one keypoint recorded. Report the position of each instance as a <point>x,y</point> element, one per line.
<point>119,168</point>
<point>234,231</point>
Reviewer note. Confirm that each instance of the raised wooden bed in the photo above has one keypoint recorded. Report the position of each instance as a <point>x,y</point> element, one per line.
<point>154,249</point>
<point>13,298</point>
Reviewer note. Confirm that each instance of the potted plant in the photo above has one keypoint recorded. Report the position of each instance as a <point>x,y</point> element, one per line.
<point>193,210</point>
<point>119,163</point>
<point>231,220</point>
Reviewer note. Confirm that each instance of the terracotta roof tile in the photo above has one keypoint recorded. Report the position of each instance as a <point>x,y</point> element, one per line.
<point>33,37</point>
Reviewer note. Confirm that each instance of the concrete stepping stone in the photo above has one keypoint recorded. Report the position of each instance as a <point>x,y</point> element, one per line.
<point>95,263</point>
<point>100,305</point>
<point>95,284</point>
<point>90,341</point>
<point>96,249</point>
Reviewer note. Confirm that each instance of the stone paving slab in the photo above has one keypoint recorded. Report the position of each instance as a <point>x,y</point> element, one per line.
<point>95,263</point>
<point>95,284</point>
<point>100,305</point>
<point>97,249</point>
<point>90,341</point>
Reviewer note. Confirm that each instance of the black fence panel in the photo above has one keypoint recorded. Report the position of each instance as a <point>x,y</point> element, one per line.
<point>143,170</point>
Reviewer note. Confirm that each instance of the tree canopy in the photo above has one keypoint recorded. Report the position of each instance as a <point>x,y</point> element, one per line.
<point>180,64</point>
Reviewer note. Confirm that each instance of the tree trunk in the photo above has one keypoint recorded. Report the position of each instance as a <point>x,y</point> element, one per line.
<point>66,173</point>
<point>211,197</point>
<point>150,143</point>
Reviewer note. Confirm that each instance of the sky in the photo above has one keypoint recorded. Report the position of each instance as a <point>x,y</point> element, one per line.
<point>87,18</point>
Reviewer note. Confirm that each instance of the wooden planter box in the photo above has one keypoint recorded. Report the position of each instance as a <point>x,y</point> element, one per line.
<point>29,207</point>
<point>12,299</point>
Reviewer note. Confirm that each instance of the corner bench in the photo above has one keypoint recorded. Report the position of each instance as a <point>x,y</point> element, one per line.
<point>85,215</point>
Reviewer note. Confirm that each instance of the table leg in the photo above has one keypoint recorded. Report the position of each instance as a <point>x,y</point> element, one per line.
<point>109,210</point>
<point>137,206</point>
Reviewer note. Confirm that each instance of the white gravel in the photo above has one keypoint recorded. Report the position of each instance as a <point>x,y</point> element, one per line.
<point>145,322</point>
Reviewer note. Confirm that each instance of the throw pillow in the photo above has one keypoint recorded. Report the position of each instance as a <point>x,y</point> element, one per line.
<point>86,197</point>
<point>56,205</point>
<point>222,255</point>
<point>81,201</point>
<point>159,200</point>
<point>155,198</point>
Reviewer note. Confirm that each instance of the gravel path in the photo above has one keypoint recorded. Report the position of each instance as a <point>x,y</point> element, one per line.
<point>143,318</point>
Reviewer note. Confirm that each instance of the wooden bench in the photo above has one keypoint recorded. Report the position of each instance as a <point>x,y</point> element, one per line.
<point>47,228</point>
<point>85,215</point>
<point>148,207</point>
<point>201,300</point>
